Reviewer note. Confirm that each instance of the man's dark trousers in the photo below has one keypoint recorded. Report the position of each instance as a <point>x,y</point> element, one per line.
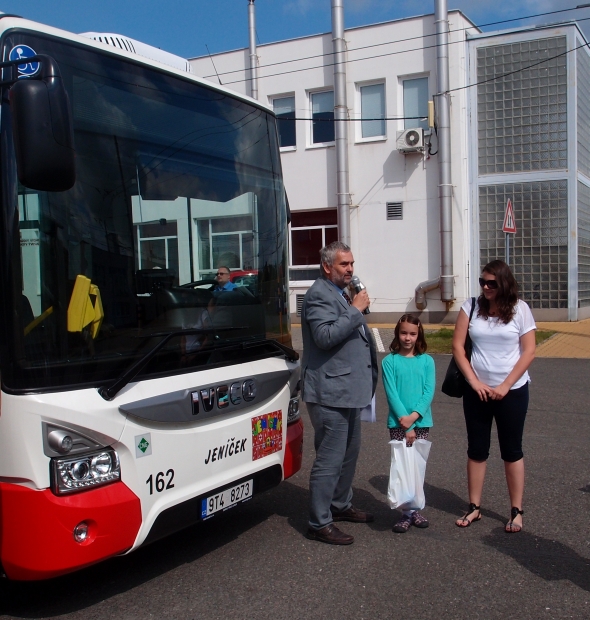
<point>337,443</point>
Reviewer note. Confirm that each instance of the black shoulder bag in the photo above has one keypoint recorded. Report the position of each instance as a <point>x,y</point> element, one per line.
<point>454,383</point>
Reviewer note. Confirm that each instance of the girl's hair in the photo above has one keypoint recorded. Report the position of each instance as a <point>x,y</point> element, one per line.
<point>507,295</point>
<point>420,346</point>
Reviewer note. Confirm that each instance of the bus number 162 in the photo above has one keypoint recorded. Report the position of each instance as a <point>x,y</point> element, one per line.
<point>160,482</point>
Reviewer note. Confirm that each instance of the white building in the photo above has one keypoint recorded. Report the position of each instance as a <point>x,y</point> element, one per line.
<point>521,133</point>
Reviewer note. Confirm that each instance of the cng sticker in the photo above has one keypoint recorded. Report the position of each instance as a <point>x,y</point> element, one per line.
<point>23,52</point>
<point>143,445</point>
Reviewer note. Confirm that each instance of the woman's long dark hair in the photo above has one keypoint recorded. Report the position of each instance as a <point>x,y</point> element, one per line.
<point>420,346</point>
<point>507,295</point>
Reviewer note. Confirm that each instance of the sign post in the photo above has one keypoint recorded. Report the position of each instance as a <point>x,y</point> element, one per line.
<point>509,227</point>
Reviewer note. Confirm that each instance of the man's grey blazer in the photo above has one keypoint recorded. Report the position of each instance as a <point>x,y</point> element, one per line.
<point>339,367</point>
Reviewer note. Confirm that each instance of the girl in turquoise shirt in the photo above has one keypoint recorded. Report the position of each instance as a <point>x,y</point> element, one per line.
<point>409,379</point>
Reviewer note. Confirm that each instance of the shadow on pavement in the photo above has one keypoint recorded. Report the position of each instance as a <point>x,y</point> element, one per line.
<point>451,503</point>
<point>437,498</point>
<point>294,506</point>
<point>547,559</point>
<point>380,483</point>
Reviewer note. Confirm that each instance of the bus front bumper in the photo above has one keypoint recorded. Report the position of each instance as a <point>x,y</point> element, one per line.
<point>37,529</point>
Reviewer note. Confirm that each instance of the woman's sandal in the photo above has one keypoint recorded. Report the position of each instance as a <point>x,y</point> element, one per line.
<point>472,508</point>
<point>511,527</point>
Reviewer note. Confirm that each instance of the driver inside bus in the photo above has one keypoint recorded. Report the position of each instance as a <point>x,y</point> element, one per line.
<point>223,283</point>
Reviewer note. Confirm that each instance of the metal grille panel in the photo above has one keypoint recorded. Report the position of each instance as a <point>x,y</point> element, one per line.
<point>539,250</point>
<point>395,210</point>
<point>299,303</point>
<point>522,117</point>
<point>583,245</point>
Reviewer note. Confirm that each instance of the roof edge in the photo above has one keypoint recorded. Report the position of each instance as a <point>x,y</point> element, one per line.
<point>323,34</point>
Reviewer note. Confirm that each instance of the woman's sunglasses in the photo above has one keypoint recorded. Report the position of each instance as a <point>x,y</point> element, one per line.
<point>491,284</point>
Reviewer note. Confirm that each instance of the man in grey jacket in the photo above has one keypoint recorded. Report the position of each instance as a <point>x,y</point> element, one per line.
<point>339,372</point>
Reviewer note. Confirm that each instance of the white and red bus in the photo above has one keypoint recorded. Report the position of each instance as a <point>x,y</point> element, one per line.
<point>135,401</point>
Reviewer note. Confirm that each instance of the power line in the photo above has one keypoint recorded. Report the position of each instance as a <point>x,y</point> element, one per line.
<point>416,49</point>
<point>354,49</point>
<point>499,77</point>
<point>211,58</point>
<point>420,118</point>
<point>336,120</point>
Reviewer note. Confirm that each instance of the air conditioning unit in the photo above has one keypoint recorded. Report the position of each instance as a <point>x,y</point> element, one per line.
<point>410,140</point>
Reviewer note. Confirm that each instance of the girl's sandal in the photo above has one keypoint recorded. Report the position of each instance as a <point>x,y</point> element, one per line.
<point>511,527</point>
<point>464,521</point>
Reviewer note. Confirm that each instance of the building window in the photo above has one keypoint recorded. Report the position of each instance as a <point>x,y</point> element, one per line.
<point>310,232</point>
<point>372,99</point>
<point>416,103</point>
<point>284,108</point>
<point>322,117</point>
<point>158,246</point>
<point>227,241</point>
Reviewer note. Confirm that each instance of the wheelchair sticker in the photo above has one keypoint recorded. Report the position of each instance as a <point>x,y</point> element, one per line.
<point>24,51</point>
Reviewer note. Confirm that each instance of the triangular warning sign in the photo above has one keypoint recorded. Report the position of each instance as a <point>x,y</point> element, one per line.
<point>509,225</point>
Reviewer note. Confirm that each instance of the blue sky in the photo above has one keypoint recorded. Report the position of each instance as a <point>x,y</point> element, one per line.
<point>184,27</point>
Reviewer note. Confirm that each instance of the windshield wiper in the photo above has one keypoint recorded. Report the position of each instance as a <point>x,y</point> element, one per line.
<point>290,354</point>
<point>109,392</point>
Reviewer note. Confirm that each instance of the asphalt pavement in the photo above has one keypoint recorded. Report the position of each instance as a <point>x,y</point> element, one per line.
<point>255,562</point>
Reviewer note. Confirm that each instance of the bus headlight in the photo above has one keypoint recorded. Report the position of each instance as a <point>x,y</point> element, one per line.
<point>83,472</point>
<point>293,414</point>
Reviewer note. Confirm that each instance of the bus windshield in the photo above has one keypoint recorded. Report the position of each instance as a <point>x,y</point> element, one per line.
<point>175,183</point>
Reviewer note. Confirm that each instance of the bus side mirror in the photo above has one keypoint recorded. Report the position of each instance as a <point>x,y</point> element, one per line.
<point>43,131</point>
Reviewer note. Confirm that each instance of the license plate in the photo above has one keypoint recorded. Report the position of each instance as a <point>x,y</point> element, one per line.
<point>226,499</point>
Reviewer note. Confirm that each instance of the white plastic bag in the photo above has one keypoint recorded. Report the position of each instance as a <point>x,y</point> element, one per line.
<point>368,413</point>
<point>406,475</point>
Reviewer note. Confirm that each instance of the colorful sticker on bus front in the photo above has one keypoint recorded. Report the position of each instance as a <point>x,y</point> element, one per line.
<point>267,434</point>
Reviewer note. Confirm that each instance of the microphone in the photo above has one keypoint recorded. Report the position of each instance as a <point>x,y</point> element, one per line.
<point>358,286</point>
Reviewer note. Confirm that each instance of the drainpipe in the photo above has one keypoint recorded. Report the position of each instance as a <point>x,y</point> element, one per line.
<point>422,289</point>
<point>446,280</point>
<point>253,56</point>
<point>341,124</point>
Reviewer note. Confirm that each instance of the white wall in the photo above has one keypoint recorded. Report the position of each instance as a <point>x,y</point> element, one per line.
<point>392,257</point>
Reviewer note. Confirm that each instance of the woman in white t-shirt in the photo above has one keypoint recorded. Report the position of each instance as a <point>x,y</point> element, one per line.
<point>503,337</point>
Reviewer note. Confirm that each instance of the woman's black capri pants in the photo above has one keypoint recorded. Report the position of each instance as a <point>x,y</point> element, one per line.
<point>509,414</point>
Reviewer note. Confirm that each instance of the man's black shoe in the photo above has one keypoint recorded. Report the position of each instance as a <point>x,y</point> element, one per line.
<point>330,534</point>
<point>353,514</point>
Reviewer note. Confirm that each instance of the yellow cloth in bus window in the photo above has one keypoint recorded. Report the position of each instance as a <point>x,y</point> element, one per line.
<point>82,311</point>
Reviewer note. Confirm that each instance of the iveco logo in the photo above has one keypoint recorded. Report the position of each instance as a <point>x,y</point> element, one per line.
<point>223,395</point>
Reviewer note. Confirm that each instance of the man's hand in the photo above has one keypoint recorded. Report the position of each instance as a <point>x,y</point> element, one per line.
<point>361,300</point>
